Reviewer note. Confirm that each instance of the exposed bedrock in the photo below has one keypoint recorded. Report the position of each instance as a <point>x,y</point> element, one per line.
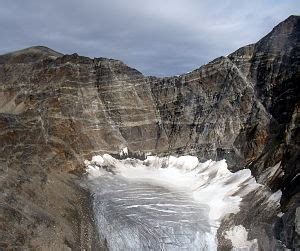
<point>57,110</point>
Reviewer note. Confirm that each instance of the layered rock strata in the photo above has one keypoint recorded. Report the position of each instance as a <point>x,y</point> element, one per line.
<point>57,110</point>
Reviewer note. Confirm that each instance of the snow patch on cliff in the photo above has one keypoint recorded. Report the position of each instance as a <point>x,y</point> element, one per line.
<point>239,239</point>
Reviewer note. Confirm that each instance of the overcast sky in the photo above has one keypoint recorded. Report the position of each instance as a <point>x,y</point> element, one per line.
<point>157,37</point>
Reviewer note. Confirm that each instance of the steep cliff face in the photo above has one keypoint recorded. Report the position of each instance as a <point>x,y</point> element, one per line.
<point>235,105</point>
<point>273,64</point>
<point>57,110</point>
<point>206,112</point>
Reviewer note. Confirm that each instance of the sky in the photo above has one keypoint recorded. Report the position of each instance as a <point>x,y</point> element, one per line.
<point>157,37</point>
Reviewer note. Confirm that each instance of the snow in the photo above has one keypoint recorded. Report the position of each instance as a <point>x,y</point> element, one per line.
<point>280,214</point>
<point>209,183</point>
<point>275,197</point>
<point>239,239</point>
<point>124,152</point>
<point>97,160</point>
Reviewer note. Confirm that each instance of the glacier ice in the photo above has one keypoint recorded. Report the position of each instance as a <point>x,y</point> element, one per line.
<point>165,203</point>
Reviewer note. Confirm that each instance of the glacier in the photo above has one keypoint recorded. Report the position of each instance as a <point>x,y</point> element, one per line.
<point>165,203</point>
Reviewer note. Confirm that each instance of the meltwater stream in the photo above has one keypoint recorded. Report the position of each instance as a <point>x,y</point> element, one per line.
<point>163,203</point>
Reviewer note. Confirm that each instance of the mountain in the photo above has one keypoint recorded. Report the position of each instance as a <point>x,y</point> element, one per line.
<point>58,110</point>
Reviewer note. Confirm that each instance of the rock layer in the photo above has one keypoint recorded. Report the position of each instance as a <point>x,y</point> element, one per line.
<point>57,110</point>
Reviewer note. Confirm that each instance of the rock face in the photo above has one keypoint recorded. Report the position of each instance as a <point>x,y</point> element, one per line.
<point>57,110</point>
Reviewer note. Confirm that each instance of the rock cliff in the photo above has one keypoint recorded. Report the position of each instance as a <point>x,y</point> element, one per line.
<point>57,110</point>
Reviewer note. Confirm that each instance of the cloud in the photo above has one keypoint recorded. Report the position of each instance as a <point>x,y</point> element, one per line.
<point>158,37</point>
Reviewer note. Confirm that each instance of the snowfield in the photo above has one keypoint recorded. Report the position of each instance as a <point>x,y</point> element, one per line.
<point>185,198</point>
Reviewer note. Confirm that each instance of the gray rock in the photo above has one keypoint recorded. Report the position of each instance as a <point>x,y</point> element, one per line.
<point>297,221</point>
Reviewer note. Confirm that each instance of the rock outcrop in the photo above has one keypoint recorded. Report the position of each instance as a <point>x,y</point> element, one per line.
<point>57,110</point>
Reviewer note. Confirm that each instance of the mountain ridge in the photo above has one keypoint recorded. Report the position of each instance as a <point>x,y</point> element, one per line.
<point>58,110</point>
